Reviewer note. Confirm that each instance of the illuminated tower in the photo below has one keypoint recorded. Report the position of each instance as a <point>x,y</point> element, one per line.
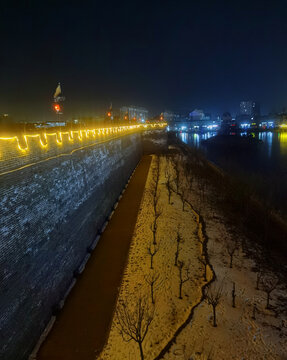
<point>57,106</point>
<point>109,114</point>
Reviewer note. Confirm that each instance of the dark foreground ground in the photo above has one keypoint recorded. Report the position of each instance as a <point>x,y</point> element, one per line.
<point>82,326</point>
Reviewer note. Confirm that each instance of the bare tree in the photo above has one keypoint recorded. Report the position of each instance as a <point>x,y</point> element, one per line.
<point>254,309</point>
<point>179,240</point>
<point>157,209</point>
<point>168,184</point>
<point>154,282</point>
<point>258,279</point>
<point>190,178</point>
<point>202,187</point>
<point>155,201</point>
<point>176,164</point>
<point>199,234</point>
<point>152,250</point>
<point>231,247</point>
<point>182,278</point>
<point>269,284</point>
<point>153,227</point>
<point>233,294</point>
<point>204,262</point>
<point>183,196</point>
<point>155,176</point>
<point>213,296</point>
<point>134,324</point>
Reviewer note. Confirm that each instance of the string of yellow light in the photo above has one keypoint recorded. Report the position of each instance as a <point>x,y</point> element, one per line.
<point>23,145</point>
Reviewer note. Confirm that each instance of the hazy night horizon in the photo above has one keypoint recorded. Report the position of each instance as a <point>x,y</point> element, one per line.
<point>165,56</point>
<point>143,180</point>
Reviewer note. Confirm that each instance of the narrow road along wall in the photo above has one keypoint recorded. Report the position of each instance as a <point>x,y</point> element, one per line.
<point>50,213</point>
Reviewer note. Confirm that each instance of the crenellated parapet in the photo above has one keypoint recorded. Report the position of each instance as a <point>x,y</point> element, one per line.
<point>20,151</point>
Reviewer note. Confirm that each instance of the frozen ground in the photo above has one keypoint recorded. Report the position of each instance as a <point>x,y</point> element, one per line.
<point>237,335</point>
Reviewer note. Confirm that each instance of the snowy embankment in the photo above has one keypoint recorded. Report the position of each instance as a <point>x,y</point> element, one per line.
<point>183,329</point>
<point>175,230</point>
<point>246,329</point>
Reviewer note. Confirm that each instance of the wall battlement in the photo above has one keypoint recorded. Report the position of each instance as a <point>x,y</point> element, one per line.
<point>18,151</point>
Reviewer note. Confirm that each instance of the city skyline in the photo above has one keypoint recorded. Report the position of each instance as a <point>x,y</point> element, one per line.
<point>165,56</point>
<point>143,171</point>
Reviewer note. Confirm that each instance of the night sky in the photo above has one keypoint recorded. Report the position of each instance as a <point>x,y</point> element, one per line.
<point>169,55</point>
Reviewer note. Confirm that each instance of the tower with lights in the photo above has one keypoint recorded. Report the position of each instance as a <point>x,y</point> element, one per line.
<point>110,115</point>
<point>57,102</point>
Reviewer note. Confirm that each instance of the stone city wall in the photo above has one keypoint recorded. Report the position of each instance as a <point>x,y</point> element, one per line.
<point>53,200</point>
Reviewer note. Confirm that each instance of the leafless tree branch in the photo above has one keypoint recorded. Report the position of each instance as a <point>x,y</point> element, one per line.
<point>133,324</point>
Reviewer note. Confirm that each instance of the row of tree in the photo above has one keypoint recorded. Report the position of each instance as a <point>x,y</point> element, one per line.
<point>193,170</point>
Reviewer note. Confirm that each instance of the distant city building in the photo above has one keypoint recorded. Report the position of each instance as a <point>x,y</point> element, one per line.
<point>202,121</point>
<point>196,115</point>
<point>249,115</point>
<point>250,108</point>
<point>227,124</point>
<point>50,124</point>
<point>133,113</point>
<point>169,116</point>
<point>270,121</point>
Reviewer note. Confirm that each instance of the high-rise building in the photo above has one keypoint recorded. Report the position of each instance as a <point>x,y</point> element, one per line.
<point>134,113</point>
<point>249,108</point>
<point>168,116</point>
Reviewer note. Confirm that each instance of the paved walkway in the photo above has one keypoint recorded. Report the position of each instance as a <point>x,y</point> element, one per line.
<point>82,326</point>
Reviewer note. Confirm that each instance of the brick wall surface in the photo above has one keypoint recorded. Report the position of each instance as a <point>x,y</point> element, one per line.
<point>49,214</point>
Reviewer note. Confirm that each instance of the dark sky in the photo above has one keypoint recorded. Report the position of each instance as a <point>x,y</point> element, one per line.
<point>176,55</point>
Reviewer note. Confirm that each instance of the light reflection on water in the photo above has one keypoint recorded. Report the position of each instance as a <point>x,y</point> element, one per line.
<point>267,138</point>
<point>264,165</point>
<point>195,139</point>
<point>274,145</point>
<point>282,137</point>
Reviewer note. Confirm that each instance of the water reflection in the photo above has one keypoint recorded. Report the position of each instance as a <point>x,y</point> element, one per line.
<point>194,139</point>
<point>283,142</point>
<point>184,137</point>
<point>273,145</point>
<point>267,138</point>
<point>264,166</point>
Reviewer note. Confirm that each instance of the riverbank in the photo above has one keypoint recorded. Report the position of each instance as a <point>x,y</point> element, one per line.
<point>246,328</point>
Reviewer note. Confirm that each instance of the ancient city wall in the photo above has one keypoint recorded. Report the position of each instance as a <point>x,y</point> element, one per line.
<point>54,197</point>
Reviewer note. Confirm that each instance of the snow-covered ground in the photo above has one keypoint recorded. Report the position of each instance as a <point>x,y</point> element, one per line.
<point>237,335</point>
<point>169,311</point>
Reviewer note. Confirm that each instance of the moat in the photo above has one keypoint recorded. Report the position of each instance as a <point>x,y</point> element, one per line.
<point>263,167</point>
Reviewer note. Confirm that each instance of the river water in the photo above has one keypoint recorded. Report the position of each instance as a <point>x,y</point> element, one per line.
<point>263,167</point>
